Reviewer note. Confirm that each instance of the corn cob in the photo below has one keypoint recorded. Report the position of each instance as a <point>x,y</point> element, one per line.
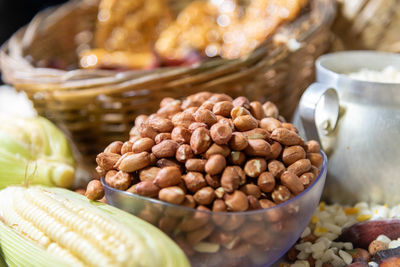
<point>42,226</point>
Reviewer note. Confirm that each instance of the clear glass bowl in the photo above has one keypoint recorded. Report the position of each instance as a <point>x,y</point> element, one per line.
<point>250,238</point>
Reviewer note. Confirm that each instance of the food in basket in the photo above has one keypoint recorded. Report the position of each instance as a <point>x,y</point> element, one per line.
<point>133,29</point>
<point>125,34</point>
<point>34,151</point>
<point>211,150</point>
<point>42,226</point>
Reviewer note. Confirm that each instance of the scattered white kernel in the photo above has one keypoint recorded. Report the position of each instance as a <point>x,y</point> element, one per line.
<point>306,232</point>
<point>383,239</point>
<point>345,256</point>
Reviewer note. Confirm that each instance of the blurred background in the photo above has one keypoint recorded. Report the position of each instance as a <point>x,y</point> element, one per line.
<point>16,13</point>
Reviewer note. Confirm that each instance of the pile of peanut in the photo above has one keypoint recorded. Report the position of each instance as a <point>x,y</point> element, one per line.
<point>211,152</point>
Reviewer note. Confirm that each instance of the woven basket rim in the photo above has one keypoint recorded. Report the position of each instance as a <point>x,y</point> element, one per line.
<point>67,84</point>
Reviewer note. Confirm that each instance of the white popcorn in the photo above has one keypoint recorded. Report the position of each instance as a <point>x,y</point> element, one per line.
<point>383,239</point>
<point>373,264</point>
<point>347,258</point>
<point>394,244</point>
<point>306,232</point>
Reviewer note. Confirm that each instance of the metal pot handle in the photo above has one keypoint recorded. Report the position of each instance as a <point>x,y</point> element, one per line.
<point>309,101</point>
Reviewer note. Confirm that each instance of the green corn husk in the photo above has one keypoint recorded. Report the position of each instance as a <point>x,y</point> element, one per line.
<point>141,244</point>
<point>33,150</point>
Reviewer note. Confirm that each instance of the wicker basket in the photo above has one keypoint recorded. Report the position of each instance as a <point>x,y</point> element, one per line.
<point>96,107</point>
<point>368,24</point>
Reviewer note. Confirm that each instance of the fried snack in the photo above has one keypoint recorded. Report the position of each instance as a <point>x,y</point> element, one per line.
<point>199,27</point>
<point>261,19</point>
<point>126,32</point>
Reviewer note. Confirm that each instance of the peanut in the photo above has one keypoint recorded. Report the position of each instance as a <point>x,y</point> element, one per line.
<point>205,116</point>
<point>251,190</point>
<point>376,246</point>
<point>148,173</point>
<point>245,123</point>
<point>220,133</point>
<point>280,194</point>
<point>290,126</point>
<point>241,173</point>
<point>161,163</point>
<point>119,180</point>
<point>168,176</point>
<point>147,189</point>
<point>215,164</point>
<point>219,97</point>
<point>114,147</point>
<point>194,181</point>
<point>286,137</point>
<point>213,180</point>
<point>230,179</point>
<point>173,194</point>
<point>170,109</point>
<point>270,110</point>
<point>254,167</point>
<point>272,215</point>
<point>292,154</point>
<point>95,190</point>
<point>276,168</point>
<point>276,149</point>
<point>161,125</point>
<point>237,201</point>
<point>196,125</point>
<point>312,146</point>
<point>132,162</point>
<point>237,158</point>
<point>207,105</point>
<point>217,149</point>
<point>219,205</point>
<point>165,149</point>
<point>238,141</point>
<point>143,144</point>
<point>270,124</point>
<point>259,148</point>
<point>166,101</point>
<point>241,101</point>
<point>100,171</point>
<point>254,204</point>
<point>315,158</point>
<point>239,111</point>
<point>183,119</point>
<point>181,135</point>
<point>299,167</point>
<point>198,235</point>
<point>306,179</point>
<point>127,146</point>
<point>200,140</point>
<point>161,137</point>
<point>195,165</point>
<point>140,119</point>
<point>107,160</point>
<point>257,133</point>
<point>204,196</point>
<point>219,192</point>
<point>257,110</point>
<point>266,182</point>
<point>223,108</point>
<point>145,130</point>
<point>189,202</point>
<point>227,122</point>
<point>198,220</point>
<point>292,181</point>
<point>183,153</point>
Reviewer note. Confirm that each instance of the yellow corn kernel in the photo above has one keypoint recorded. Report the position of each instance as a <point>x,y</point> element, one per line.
<point>386,206</point>
<point>319,231</point>
<point>363,217</point>
<point>322,206</point>
<point>314,219</point>
<point>351,211</point>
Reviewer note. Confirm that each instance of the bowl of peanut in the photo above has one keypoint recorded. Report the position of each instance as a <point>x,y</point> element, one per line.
<point>228,179</point>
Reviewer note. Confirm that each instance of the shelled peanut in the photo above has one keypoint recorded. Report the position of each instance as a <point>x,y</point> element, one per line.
<point>212,149</point>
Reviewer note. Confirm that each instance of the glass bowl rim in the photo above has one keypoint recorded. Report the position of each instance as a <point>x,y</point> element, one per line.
<point>192,210</point>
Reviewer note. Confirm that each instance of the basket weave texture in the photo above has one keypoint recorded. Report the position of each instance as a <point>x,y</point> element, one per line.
<point>95,107</point>
<point>368,24</point>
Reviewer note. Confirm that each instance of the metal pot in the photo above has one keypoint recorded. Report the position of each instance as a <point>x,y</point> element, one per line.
<point>358,125</point>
